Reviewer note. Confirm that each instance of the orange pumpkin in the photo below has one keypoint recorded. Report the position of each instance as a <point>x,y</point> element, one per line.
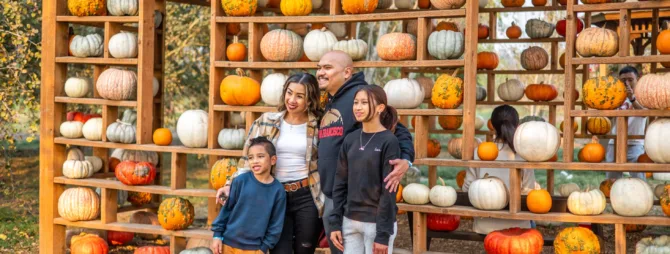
<point>606,186</point>
<point>574,126</point>
<point>460,178</point>
<point>593,152</point>
<point>661,42</point>
<point>233,28</point>
<point>576,238</point>
<point>450,122</point>
<point>433,148</point>
<point>514,31</point>
<point>175,214</point>
<point>514,240</point>
<point>665,200</point>
<point>152,250</point>
<point>139,198</point>
<point>135,173</point>
<point>396,47</point>
<point>113,163</point>
<point>633,228</point>
<point>487,60</point>
<point>666,64</point>
<point>424,4</point>
<point>487,151</point>
<point>398,194</point>
<point>482,31</point>
<point>644,158</point>
<point>359,6</point>
<point>565,2</point>
<point>604,93</point>
<point>162,137</point>
<point>236,51</point>
<point>539,2</point>
<point>561,60</point>
<point>222,172</point>
<point>598,125</point>
<point>119,238</point>
<point>541,92</point>
<point>88,244</point>
<point>512,3</point>
<point>539,201</point>
<point>447,26</point>
<point>317,26</point>
<point>239,90</point>
<point>489,125</point>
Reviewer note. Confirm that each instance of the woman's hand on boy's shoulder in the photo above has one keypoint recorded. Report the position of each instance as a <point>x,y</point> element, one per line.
<point>216,246</point>
<point>220,192</point>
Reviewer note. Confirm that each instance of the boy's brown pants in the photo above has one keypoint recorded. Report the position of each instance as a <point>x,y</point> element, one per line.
<point>230,250</point>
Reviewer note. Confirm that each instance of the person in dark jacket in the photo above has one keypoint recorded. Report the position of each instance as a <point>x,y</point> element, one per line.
<point>335,74</point>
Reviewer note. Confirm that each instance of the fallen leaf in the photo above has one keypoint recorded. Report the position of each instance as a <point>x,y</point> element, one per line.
<point>3,237</point>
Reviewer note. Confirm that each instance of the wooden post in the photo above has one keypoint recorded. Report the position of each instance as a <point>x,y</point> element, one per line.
<point>619,239</point>
<point>654,33</point>
<point>568,136</point>
<point>216,119</point>
<point>422,34</point>
<point>470,79</point>
<point>621,139</point>
<point>145,71</point>
<point>177,244</point>
<point>624,32</point>
<point>179,169</point>
<point>419,233</point>
<point>108,205</point>
<point>514,190</point>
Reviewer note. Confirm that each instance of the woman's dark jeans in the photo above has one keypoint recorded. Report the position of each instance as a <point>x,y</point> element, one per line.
<point>302,225</point>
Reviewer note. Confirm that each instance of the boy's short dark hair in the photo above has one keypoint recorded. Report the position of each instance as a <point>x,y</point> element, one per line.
<point>263,141</point>
<point>629,69</point>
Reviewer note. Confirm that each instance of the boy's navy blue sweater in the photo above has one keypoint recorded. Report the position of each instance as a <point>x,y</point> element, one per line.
<point>253,216</point>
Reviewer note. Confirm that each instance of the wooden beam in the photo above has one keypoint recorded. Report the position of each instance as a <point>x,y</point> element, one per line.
<point>419,233</point>
<point>145,70</point>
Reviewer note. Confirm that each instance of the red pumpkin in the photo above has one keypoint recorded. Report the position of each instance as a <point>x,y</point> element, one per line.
<point>153,250</point>
<point>443,222</point>
<point>541,92</point>
<point>482,31</point>
<point>72,114</point>
<point>433,148</point>
<point>135,173</point>
<point>562,26</point>
<point>514,240</point>
<point>119,238</point>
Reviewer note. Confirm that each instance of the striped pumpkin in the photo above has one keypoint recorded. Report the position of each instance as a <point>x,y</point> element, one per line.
<point>653,91</point>
<point>599,125</point>
<point>79,204</point>
<point>117,84</point>
<point>281,45</point>
<point>597,41</point>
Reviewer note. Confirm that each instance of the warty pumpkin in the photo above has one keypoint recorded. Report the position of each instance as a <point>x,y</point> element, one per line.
<point>598,125</point>
<point>296,7</point>
<point>447,92</point>
<point>175,213</point>
<point>576,238</point>
<point>404,93</point>
<point>236,51</point>
<point>514,240</point>
<point>222,172</point>
<point>537,29</point>
<point>512,3</point>
<point>665,200</point>
<point>117,84</point>
<point>281,45</point>
<point>397,47</point>
<point>87,7</point>
<point>359,6</point>
<point>88,244</point>
<point>135,173</point>
<point>79,204</point>
<point>447,4</point>
<point>445,44</point>
<point>239,7</point>
<point>534,58</point>
<point>87,46</point>
<point>604,93</point>
<point>240,90</point>
<point>595,41</point>
<point>541,92</point>
<point>487,151</point>
<point>653,91</point>
<point>511,90</point>
<point>514,31</point>
<point>487,60</point>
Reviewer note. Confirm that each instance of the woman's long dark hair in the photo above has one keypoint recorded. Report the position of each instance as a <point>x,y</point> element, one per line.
<point>312,93</point>
<point>505,119</point>
<point>377,96</point>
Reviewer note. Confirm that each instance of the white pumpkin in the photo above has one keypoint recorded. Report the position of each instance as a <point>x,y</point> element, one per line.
<point>158,18</point>
<point>631,197</point>
<point>537,28</point>
<point>123,45</point>
<point>192,128</point>
<point>649,245</point>
<point>198,250</point>
<point>79,204</point>
<point>656,145</point>
<point>272,88</point>
<point>416,194</point>
<point>92,129</point>
<point>338,29</point>
<point>483,3</point>
<point>446,44</point>
<point>134,155</point>
<point>355,48</point>
<point>86,46</point>
<point>317,43</point>
<point>404,93</point>
<point>121,196</point>
<point>231,139</point>
<point>78,169</point>
<point>658,189</point>
<point>123,7</point>
<point>74,153</point>
<point>442,195</point>
<point>96,162</point>
<point>129,116</point>
<point>511,90</point>
<point>77,87</point>
<point>405,4</point>
<point>121,132</point>
<point>237,118</point>
<point>488,193</point>
<point>536,141</point>
<point>71,129</point>
<point>316,4</point>
<point>479,122</point>
<point>564,190</point>
<point>155,86</point>
<point>588,202</point>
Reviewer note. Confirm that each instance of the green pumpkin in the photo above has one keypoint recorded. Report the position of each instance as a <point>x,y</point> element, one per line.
<point>531,118</point>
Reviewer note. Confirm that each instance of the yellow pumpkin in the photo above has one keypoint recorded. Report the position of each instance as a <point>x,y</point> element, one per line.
<point>239,7</point>
<point>576,240</point>
<point>296,7</point>
<point>447,92</point>
<point>222,171</point>
<point>175,214</point>
<point>87,7</point>
<point>238,90</point>
<point>604,93</point>
<point>599,125</point>
<point>358,6</point>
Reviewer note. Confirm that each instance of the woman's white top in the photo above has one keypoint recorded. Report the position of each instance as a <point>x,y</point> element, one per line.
<point>291,150</point>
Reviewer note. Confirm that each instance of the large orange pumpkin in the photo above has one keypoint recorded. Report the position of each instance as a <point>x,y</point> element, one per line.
<point>604,93</point>
<point>239,90</point>
<point>662,42</point>
<point>606,186</point>
<point>593,152</point>
<point>162,137</point>
<point>514,240</point>
<point>433,148</point>
<point>139,198</point>
<point>487,151</point>
<point>222,171</point>
<point>482,31</point>
<point>448,26</point>
<point>576,240</point>
<point>460,178</point>
<point>239,7</point>
<point>450,122</point>
<point>512,3</point>
<point>152,250</point>
<point>135,173</point>
<point>175,214</point>
<point>88,244</point>
<point>541,92</point>
<point>119,238</point>
<point>487,60</point>
<point>598,125</point>
<point>236,51</point>
<point>359,6</point>
<point>539,201</point>
<point>447,92</point>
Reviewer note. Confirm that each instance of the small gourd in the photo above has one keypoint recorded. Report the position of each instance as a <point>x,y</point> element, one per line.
<point>442,195</point>
<point>92,129</point>
<point>416,194</point>
<point>78,169</point>
<point>231,139</point>
<point>71,129</point>
<point>76,87</point>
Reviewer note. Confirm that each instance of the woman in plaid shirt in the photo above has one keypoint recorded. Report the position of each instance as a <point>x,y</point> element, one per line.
<point>296,168</point>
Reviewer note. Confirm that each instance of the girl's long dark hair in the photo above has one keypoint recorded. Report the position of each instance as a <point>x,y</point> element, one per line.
<point>505,119</point>
<point>377,96</point>
<point>312,93</point>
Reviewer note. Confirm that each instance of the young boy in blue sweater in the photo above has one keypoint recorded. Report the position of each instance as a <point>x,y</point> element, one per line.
<point>252,218</point>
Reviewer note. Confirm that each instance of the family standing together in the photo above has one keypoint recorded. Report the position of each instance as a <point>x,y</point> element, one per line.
<point>306,169</point>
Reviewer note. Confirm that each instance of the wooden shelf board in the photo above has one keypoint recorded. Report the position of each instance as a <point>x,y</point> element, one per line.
<point>503,72</point>
<point>402,112</point>
<point>619,6</point>
<point>258,109</point>
<point>372,17</point>
<point>592,113</point>
<point>622,59</point>
<point>632,167</point>
<point>148,147</point>
<point>358,64</point>
<point>96,60</point>
<point>137,228</point>
<point>98,19</point>
<point>552,216</point>
<point>523,40</point>
<point>95,101</point>
<point>153,189</point>
<point>522,103</point>
<point>523,9</point>
<point>131,208</point>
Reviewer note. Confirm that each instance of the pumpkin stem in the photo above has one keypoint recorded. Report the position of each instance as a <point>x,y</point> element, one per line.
<point>455,72</point>
<point>486,175</point>
<point>594,139</point>
<point>324,28</point>
<point>239,72</point>
<point>442,180</point>
<point>234,39</point>
<point>122,122</point>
